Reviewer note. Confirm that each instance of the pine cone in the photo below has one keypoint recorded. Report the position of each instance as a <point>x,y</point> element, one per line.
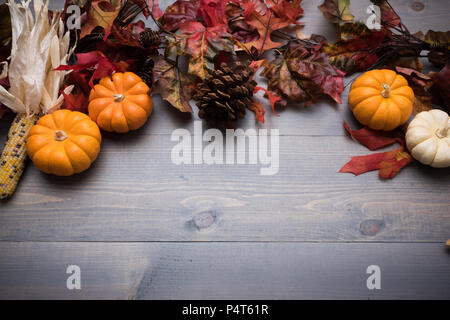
<point>224,94</point>
<point>145,71</point>
<point>149,38</point>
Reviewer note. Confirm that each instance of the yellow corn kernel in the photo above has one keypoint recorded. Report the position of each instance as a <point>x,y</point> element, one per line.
<point>12,159</point>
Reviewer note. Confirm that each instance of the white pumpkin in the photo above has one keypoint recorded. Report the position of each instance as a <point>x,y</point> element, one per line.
<point>428,138</point>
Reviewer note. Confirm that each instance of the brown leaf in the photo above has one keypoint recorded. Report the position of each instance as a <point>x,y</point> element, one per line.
<point>336,11</point>
<point>179,13</point>
<point>441,87</point>
<point>172,84</point>
<point>101,14</point>
<point>303,74</point>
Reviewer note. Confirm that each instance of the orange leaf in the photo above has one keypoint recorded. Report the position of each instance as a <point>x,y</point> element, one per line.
<point>101,14</point>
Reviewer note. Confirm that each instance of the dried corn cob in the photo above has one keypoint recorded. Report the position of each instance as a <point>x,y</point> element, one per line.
<point>12,160</point>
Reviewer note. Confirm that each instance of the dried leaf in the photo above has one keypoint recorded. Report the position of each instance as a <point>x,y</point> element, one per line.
<point>354,54</point>
<point>179,13</point>
<point>336,11</point>
<point>303,74</point>
<point>259,111</point>
<point>172,84</point>
<point>273,99</point>
<point>441,87</point>
<point>202,44</point>
<point>278,16</point>
<point>96,60</point>
<point>389,19</point>
<point>76,101</point>
<point>388,163</point>
<point>373,139</point>
<point>213,12</point>
<point>101,13</point>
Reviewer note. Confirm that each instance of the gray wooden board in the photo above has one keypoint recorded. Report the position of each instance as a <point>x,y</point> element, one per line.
<point>224,231</point>
<point>224,270</point>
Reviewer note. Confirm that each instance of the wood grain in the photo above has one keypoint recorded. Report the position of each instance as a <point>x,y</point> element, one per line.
<point>223,270</point>
<point>135,193</point>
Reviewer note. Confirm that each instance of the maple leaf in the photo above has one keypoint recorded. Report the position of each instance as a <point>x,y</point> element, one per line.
<point>128,35</point>
<point>336,11</point>
<point>96,60</point>
<point>303,74</point>
<point>388,163</point>
<point>202,44</point>
<point>179,13</point>
<point>213,12</point>
<point>266,21</point>
<point>101,14</point>
<point>76,101</point>
<point>172,84</point>
<point>441,86</point>
<point>373,139</point>
<point>354,54</point>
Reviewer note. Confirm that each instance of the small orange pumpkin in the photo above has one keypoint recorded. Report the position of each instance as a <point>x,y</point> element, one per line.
<point>64,142</point>
<point>381,99</point>
<point>120,103</point>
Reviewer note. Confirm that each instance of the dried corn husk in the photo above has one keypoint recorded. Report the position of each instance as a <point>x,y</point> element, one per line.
<point>38,46</point>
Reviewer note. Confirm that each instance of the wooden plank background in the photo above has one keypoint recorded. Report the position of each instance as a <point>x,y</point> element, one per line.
<point>141,227</point>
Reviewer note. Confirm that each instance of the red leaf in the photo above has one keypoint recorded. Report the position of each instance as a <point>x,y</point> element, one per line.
<point>156,10</point>
<point>213,12</point>
<point>373,139</point>
<point>179,13</point>
<point>256,64</point>
<point>76,101</point>
<point>389,163</point>
<point>272,98</point>
<point>259,111</point>
<point>94,59</point>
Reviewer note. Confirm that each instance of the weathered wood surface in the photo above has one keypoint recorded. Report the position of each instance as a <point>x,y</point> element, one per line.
<point>134,192</point>
<point>223,270</point>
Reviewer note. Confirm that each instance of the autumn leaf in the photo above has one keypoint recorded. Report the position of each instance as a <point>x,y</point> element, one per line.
<point>101,14</point>
<point>202,44</point>
<point>389,18</point>
<point>420,84</point>
<point>336,11</point>
<point>278,16</point>
<point>96,60</point>
<point>388,163</point>
<point>259,111</point>
<point>172,84</point>
<point>441,86</point>
<point>179,13</point>
<point>76,101</point>
<point>128,35</point>
<point>273,99</point>
<point>373,139</point>
<point>354,54</point>
<point>303,74</point>
<point>213,12</point>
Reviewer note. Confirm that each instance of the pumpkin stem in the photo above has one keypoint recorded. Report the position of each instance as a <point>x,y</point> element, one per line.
<point>60,135</point>
<point>387,90</point>
<point>118,97</point>
<point>441,133</point>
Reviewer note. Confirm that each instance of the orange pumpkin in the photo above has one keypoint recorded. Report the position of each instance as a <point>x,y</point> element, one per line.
<point>120,103</point>
<point>381,99</point>
<point>64,142</point>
